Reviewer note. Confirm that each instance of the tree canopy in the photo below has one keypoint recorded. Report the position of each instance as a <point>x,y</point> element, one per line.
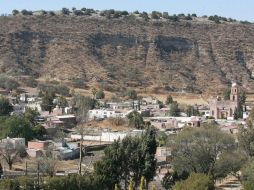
<point>121,163</point>
<point>196,181</point>
<point>136,120</point>
<point>198,149</point>
<point>5,107</point>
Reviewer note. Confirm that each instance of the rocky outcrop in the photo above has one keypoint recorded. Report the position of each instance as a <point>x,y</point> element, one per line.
<point>192,56</point>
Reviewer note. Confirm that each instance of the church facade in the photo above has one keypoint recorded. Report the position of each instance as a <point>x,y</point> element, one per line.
<point>225,109</point>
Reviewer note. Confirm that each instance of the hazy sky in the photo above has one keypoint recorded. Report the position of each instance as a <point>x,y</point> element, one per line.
<point>238,9</point>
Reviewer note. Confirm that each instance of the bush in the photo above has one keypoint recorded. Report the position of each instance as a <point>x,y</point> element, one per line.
<point>144,15</point>
<point>100,94</point>
<point>165,15</point>
<point>196,181</point>
<point>15,12</point>
<point>63,90</point>
<point>54,89</point>
<point>52,13</point>
<point>30,82</point>
<point>156,15</point>
<point>25,12</point>
<point>78,83</point>
<point>8,84</point>
<point>132,94</point>
<point>174,18</point>
<point>65,11</point>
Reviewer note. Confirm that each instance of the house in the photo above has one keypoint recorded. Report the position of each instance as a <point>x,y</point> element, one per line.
<point>105,113</point>
<point>149,100</point>
<point>225,109</point>
<point>164,124</point>
<point>36,148</point>
<point>18,109</point>
<point>163,155</point>
<point>23,97</point>
<point>69,121</point>
<point>16,143</point>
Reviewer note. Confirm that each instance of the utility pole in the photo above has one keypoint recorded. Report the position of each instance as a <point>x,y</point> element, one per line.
<point>80,150</point>
<point>26,168</point>
<point>38,175</point>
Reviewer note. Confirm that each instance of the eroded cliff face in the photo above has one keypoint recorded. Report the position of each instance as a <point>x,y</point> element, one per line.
<point>190,56</point>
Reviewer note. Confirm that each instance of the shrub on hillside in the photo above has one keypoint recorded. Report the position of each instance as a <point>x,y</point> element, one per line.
<point>78,83</point>
<point>25,12</point>
<point>30,82</point>
<point>8,84</point>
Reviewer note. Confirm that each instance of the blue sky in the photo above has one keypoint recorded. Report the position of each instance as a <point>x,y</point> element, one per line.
<point>238,9</point>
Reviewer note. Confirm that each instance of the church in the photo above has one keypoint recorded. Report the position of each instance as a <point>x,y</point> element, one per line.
<point>225,109</point>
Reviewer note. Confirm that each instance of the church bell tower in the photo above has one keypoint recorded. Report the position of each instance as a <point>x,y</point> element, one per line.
<point>234,95</point>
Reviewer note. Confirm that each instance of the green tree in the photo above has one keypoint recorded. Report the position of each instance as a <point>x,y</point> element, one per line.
<point>18,126</point>
<point>47,101</point>
<point>100,94</point>
<point>226,94</point>
<point>26,182</point>
<point>136,120</point>
<point>15,12</point>
<point>230,163</point>
<point>196,181</point>
<point>171,178</point>
<point>9,184</point>
<point>122,163</point>
<point>174,110</point>
<point>65,11</point>
<point>39,131</point>
<point>191,111</point>
<point>242,98</point>
<point>169,100</point>
<point>80,103</point>
<point>198,149</point>
<point>31,115</point>
<point>246,138</point>
<point>5,106</point>
<point>62,102</point>
<point>108,170</point>
<point>132,94</point>
<point>248,175</point>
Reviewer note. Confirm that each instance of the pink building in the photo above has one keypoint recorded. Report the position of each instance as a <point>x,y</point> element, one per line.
<point>42,145</point>
<point>225,109</point>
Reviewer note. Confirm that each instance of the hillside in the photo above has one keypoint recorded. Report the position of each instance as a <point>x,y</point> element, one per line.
<point>156,55</point>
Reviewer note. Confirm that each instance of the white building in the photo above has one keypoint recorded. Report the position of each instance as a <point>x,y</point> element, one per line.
<point>16,143</point>
<point>103,113</point>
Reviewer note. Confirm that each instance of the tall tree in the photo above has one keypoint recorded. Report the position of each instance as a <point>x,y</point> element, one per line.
<point>226,94</point>
<point>246,138</point>
<point>121,163</point>
<point>169,100</point>
<point>31,115</point>
<point>174,110</point>
<point>47,101</point>
<point>136,120</point>
<point>5,107</point>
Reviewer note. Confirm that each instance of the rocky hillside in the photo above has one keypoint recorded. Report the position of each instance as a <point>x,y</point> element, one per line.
<point>159,55</point>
